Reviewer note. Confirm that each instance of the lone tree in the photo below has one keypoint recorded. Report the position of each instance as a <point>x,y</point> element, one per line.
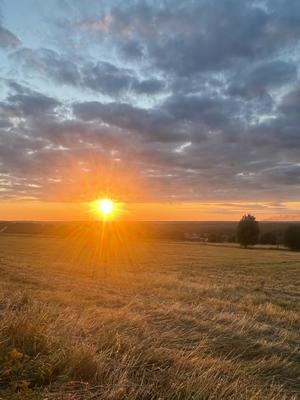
<point>247,231</point>
<point>292,237</point>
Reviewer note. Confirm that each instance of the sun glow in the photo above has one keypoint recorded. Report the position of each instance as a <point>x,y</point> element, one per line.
<point>105,208</point>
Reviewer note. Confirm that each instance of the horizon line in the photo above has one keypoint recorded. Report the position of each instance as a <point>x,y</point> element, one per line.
<point>148,221</point>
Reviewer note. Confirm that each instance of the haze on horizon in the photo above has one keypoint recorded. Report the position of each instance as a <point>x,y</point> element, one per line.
<point>179,110</point>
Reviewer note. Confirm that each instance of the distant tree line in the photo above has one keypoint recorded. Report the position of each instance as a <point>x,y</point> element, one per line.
<point>292,237</point>
<point>248,234</point>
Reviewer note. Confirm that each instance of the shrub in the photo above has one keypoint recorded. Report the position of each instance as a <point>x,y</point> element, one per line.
<point>214,238</point>
<point>232,239</point>
<point>268,238</point>
<point>292,237</point>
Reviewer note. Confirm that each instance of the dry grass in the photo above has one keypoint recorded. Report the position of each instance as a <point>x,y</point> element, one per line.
<point>174,321</point>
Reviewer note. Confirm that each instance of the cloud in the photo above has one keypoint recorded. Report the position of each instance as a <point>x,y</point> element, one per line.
<point>290,103</point>
<point>151,125</point>
<point>109,79</point>
<point>102,77</point>
<point>50,63</point>
<point>8,39</point>
<point>27,102</point>
<point>260,79</point>
<point>199,36</point>
<point>287,174</point>
<point>195,100</point>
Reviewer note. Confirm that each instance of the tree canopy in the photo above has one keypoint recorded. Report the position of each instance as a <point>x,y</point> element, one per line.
<point>248,231</point>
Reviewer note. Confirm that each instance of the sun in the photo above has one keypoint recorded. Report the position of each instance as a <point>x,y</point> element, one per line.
<point>105,206</point>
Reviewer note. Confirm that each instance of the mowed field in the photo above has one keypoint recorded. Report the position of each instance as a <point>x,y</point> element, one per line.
<point>160,320</point>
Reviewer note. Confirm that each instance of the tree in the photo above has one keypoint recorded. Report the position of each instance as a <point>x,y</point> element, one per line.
<point>292,237</point>
<point>247,231</point>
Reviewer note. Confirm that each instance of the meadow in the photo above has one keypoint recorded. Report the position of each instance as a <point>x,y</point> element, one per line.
<point>158,320</point>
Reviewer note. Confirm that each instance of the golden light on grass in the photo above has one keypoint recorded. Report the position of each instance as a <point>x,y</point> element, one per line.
<point>146,315</point>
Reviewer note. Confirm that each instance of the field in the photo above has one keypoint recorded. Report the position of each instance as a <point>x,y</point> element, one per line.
<point>169,320</point>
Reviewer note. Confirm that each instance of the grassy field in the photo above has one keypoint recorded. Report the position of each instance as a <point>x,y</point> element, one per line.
<point>159,321</point>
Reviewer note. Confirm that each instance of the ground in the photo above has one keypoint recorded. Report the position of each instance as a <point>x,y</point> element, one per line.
<point>166,320</point>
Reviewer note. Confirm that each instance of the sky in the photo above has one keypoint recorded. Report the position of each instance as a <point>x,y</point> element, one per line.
<point>180,110</point>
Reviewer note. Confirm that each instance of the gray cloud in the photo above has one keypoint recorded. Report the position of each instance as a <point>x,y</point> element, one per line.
<point>152,125</point>
<point>201,101</point>
<point>259,80</point>
<point>190,37</point>
<point>48,62</point>
<point>102,77</point>
<point>32,104</point>
<point>109,79</point>
<point>8,39</point>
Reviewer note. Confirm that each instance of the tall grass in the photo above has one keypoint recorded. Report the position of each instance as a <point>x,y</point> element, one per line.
<point>174,321</point>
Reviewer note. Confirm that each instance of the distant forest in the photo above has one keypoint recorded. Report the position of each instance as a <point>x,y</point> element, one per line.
<point>203,231</point>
